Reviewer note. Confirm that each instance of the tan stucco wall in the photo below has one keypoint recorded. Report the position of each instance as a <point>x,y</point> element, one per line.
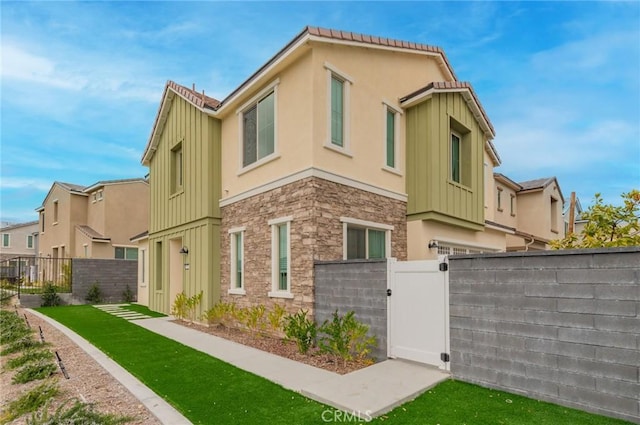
<point>71,211</point>
<point>503,215</point>
<point>534,213</point>
<point>127,212</point>
<point>302,123</point>
<point>18,241</point>
<point>420,232</point>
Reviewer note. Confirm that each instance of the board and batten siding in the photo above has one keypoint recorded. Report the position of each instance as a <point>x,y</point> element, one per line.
<point>432,193</point>
<point>191,214</point>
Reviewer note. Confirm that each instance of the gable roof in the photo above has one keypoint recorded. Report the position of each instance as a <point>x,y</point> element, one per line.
<point>540,184</point>
<point>18,225</point>
<point>507,181</point>
<point>103,183</point>
<point>77,189</point>
<point>212,106</point>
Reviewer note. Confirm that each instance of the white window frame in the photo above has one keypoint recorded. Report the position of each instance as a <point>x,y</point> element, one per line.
<point>276,292</point>
<point>271,88</point>
<point>85,248</point>
<point>125,247</point>
<point>233,287</point>
<point>387,107</point>
<point>332,72</point>
<point>8,244</point>
<point>459,137</point>
<point>32,238</point>
<point>386,228</point>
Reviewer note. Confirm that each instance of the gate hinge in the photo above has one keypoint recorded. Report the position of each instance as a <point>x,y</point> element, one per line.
<point>444,357</point>
<point>443,267</point>
<point>388,292</point>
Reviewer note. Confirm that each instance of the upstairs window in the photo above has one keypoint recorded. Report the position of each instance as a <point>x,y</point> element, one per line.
<point>258,130</point>
<point>499,199</point>
<point>126,253</point>
<point>177,168</point>
<point>455,157</point>
<point>55,212</point>
<point>391,137</point>
<point>337,111</point>
<point>6,240</point>
<point>30,241</point>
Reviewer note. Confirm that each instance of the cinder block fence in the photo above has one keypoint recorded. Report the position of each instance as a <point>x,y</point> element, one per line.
<point>561,326</point>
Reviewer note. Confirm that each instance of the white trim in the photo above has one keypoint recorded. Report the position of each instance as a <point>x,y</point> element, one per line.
<point>459,137</point>
<point>237,229</point>
<point>465,244</point>
<point>233,249</point>
<point>365,223</point>
<point>276,221</point>
<point>237,291</point>
<point>275,266</point>
<point>499,228</point>
<point>262,94</point>
<point>346,110</point>
<point>334,70</point>
<point>313,172</point>
<point>396,138</point>
<point>391,170</point>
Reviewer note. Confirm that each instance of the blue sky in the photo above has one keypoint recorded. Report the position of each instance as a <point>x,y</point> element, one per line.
<point>81,82</point>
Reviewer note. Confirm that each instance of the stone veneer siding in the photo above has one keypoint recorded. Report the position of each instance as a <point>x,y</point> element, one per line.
<point>316,206</point>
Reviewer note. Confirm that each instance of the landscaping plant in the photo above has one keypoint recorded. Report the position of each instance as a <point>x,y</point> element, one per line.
<point>276,318</point>
<point>20,344</point>
<point>185,307</point>
<point>128,295</point>
<point>94,296</point>
<point>299,328</point>
<point>29,356</point>
<point>345,337</point>
<point>31,401</point>
<point>33,371</point>
<point>254,319</point>
<point>50,297</point>
<point>80,413</point>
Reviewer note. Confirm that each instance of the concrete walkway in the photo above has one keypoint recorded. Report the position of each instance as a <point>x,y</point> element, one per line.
<point>370,391</point>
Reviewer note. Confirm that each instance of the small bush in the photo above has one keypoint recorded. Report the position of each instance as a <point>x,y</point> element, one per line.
<point>128,296</point>
<point>276,318</point>
<point>94,296</point>
<point>80,414</point>
<point>29,356</point>
<point>185,307</point>
<point>50,297</point>
<point>345,337</point>
<point>36,370</point>
<point>254,318</point>
<point>14,330</point>
<point>23,343</point>
<point>31,401</point>
<point>299,328</point>
<point>222,314</point>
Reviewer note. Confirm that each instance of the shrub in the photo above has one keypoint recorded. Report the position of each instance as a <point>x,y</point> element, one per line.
<point>13,330</point>
<point>254,318</point>
<point>94,296</point>
<point>128,296</point>
<point>29,356</point>
<point>79,413</point>
<point>276,317</point>
<point>185,307</point>
<point>23,343</point>
<point>299,328</point>
<point>36,370</point>
<point>50,297</point>
<point>345,337</point>
<point>219,314</point>
<point>30,401</point>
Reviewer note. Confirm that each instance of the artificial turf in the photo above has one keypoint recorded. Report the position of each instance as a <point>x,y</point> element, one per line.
<point>209,391</point>
<point>142,309</point>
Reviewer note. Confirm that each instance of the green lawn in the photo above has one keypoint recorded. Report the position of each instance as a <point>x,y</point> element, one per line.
<point>142,309</point>
<point>207,390</point>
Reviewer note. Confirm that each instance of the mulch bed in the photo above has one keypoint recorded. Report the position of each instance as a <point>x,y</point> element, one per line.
<point>280,347</point>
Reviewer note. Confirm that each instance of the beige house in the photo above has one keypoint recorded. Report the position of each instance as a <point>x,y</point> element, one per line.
<point>341,147</point>
<point>96,221</point>
<point>19,240</point>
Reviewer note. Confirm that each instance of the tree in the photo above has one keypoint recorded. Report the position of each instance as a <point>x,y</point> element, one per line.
<point>607,225</point>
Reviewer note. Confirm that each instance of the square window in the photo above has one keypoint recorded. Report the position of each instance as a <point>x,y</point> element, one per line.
<point>363,241</point>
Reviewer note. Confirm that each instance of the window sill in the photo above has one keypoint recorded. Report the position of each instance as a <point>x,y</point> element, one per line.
<point>392,170</point>
<point>55,223</point>
<point>177,193</point>
<point>513,215</point>
<point>258,163</point>
<point>338,149</point>
<point>500,209</point>
<point>554,231</point>
<point>280,294</point>
<point>237,291</point>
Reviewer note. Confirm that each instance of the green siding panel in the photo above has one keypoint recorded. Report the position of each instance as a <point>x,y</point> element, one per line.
<point>432,193</point>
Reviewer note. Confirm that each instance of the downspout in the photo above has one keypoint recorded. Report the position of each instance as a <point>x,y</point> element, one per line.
<point>527,245</point>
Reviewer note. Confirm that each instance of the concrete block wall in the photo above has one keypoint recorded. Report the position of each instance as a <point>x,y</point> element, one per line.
<point>112,276</point>
<point>360,286</point>
<point>560,326</point>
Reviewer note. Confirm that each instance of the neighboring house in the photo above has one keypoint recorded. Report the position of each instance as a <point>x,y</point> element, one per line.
<point>342,146</point>
<point>19,240</point>
<point>95,221</point>
<point>530,211</point>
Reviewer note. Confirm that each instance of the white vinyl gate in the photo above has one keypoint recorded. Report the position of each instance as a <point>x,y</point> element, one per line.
<point>418,311</point>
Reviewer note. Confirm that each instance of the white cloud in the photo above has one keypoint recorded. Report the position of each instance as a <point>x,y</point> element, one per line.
<point>25,183</point>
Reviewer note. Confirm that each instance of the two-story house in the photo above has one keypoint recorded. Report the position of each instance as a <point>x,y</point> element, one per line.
<point>342,146</point>
<point>19,240</point>
<point>95,221</point>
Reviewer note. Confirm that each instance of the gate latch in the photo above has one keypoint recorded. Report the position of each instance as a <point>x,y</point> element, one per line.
<point>388,292</point>
<point>443,267</point>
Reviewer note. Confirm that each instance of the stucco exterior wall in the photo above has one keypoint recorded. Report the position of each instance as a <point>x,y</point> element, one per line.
<point>535,213</point>
<point>316,234</point>
<point>18,235</point>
